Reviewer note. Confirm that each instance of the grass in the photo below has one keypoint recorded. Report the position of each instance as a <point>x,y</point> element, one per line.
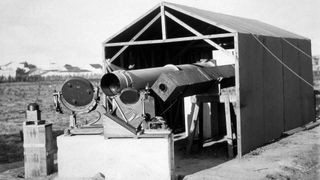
<point>14,98</point>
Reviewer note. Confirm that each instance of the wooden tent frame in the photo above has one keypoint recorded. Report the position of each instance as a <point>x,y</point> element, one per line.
<point>198,36</point>
<point>163,13</point>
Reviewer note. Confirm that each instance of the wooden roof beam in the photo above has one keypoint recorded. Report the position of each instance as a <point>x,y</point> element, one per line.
<point>135,37</point>
<point>171,40</point>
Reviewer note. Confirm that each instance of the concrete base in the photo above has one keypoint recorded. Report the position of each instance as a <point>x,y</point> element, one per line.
<point>81,157</point>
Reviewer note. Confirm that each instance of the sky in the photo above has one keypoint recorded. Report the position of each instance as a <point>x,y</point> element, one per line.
<point>72,31</point>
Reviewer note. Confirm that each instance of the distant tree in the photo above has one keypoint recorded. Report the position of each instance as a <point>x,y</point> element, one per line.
<point>21,74</point>
<point>10,79</point>
<point>30,66</point>
<point>2,79</point>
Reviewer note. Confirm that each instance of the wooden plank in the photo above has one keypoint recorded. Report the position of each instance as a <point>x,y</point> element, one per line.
<point>171,40</point>
<point>293,131</point>
<point>228,128</point>
<point>298,129</point>
<point>201,128</point>
<point>307,96</point>
<point>237,96</point>
<point>312,124</point>
<point>135,37</point>
<point>272,90</point>
<point>163,22</point>
<point>193,125</point>
<point>291,85</point>
<point>251,93</point>
<point>207,121</point>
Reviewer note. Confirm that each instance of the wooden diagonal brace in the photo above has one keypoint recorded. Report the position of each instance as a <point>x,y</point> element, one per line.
<point>135,37</point>
<point>196,33</point>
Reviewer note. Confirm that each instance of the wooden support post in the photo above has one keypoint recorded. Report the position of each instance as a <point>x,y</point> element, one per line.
<point>200,119</point>
<point>163,23</point>
<point>228,127</point>
<point>197,102</point>
<point>193,125</point>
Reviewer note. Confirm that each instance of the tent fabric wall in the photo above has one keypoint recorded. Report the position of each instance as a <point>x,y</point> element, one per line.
<point>272,90</point>
<point>272,99</point>
<point>307,94</point>
<point>292,91</point>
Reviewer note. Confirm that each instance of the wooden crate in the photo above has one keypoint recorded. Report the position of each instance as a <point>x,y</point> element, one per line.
<point>38,135</point>
<point>38,162</point>
<point>38,150</point>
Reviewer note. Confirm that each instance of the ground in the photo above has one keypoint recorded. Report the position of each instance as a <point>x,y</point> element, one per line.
<point>293,157</point>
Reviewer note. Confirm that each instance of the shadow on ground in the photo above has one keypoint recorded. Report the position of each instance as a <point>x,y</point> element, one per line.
<point>198,159</point>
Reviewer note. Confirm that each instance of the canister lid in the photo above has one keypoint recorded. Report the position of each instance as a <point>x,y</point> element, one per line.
<point>33,107</point>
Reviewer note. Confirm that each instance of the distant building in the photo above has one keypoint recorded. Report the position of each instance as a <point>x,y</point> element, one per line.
<point>315,63</point>
<point>316,71</point>
<point>23,70</point>
<point>66,73</point>
<point>92,70</point>
<point>10,69</point>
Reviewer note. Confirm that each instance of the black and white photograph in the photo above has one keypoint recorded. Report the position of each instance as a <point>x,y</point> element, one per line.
<point>159,90</point>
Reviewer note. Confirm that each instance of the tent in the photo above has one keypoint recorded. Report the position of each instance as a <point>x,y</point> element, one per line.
<point>273,82</point>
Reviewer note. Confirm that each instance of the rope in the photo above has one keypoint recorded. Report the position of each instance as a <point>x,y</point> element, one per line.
<point>297,48</point>
<point>283,64</point>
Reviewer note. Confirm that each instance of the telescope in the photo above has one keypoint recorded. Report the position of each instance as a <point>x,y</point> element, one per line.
<point>134,108</point>
<point>188,79</point>
<point>130,94</point>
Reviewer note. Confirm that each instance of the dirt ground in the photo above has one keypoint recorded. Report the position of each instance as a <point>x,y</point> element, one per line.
<point>293,157</point>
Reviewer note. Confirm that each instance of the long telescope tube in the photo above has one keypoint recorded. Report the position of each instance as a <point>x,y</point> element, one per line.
<point>113,83</point>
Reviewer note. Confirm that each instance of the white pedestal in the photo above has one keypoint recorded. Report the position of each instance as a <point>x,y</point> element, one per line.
<point>81,157</point>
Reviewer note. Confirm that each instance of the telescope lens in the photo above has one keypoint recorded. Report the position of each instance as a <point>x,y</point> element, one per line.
<point>110,84</point>
<point>163,87</point>
<point>77,91</point>
<point>129,96</point>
